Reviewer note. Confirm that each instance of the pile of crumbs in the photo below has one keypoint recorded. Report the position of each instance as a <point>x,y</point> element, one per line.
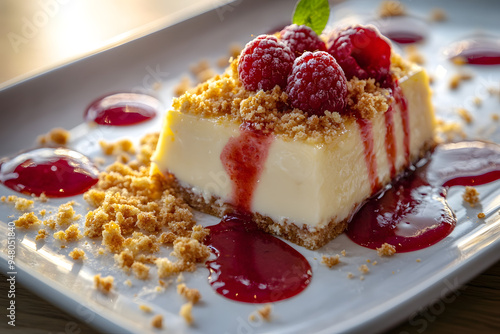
<point>135,213</point>
<point>132,214</point>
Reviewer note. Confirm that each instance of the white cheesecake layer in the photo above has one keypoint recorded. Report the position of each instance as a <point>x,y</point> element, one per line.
<point>307,184</point>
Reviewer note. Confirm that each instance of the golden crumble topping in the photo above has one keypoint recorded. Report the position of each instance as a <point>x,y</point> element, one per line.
<point>103,284</point>
<point>56,136</point>
<point>27,220</point>
<point>186,313</point>
<point>183,86</point>
<point>135,213</point>
<point>72,233</point>
<point>471,196</point>
<point>192,295</point>
<point>465,114</point>
<point>20,203</point>
<point>77,254</point>
<point>438,15</point>
<point>330,261</point>
<point>413,55</point>
<point>41,235</point>
<point>364,269</point>
<point>225,98</point>
<point>118,147</point>
<point>265,312</point>
<point>145,308</point>
<point>457,79</point>
<point>66,214</point>
<point>157,321</point>
<point>386,250</point>
<point>140,270</point>
<point>391,8</point>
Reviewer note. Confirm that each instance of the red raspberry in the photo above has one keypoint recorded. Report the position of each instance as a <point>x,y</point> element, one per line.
<point>317,83</point>
<point>363,53</point>
<point>264,63</point>
<point>301,39</point>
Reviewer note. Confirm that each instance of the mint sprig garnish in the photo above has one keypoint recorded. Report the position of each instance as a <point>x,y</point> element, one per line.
<point>312,13</point>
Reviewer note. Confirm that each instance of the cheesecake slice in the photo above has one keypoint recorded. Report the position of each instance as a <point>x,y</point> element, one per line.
<point>300,177</point>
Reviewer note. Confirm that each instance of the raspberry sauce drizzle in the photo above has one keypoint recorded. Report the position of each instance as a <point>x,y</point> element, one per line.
<point>250,265</point>
<point>57,172</point>
<point>122,109</point>
<point>253,266</point>
<point>390,140</point>
<point>413,213</point>
<point>365,128</point>
<point>366,131</point>
<point>243,159</point>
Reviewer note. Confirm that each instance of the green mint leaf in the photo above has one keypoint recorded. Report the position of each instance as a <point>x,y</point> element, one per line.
<point>312,13</point>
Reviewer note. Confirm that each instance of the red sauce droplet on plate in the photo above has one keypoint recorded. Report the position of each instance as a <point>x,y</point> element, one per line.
<point>476,51</point>
<point>253,266</point>
<point>250,265</point>
<point>57,172</point>
<point>122,109</point>
<point>413,213</point>
<point>404,37</point>
<point>402,29</point>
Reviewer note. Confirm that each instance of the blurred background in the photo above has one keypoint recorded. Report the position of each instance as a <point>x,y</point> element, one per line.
<point>37,35</point>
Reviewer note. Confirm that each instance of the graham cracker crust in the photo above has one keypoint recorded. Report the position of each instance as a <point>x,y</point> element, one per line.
<point>288,230</point>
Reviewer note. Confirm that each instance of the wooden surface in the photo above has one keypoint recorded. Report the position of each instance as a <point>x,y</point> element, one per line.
<point>475,310</point>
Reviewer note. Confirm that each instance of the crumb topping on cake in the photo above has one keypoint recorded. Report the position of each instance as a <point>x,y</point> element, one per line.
<point>225,98</point>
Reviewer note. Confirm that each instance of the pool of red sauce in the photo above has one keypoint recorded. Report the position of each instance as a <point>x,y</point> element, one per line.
<point>404,37</point>
<point>250,265</point>
<point>122,109</point>
<point>412,213</point>
<point>253,266</point>
<point>478,51</point>
<point>56,172</point>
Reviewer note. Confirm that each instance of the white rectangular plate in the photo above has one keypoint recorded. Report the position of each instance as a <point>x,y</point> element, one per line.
<point>393,289</point>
